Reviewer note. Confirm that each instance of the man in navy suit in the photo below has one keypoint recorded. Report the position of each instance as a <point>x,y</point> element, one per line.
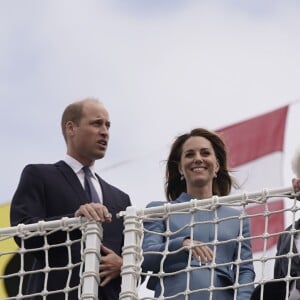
<point>52,191</point>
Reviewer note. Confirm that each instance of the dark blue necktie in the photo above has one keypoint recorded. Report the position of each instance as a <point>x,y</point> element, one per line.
<point>89,187</point>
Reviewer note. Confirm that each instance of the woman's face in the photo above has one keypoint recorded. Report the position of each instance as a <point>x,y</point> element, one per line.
<point>198,163</point>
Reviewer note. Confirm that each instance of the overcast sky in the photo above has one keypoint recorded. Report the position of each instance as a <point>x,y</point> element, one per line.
<point>160,67</point>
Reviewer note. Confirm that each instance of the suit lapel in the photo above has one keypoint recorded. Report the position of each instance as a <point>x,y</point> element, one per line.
<point>296,258</point>
<point>73,181</point>
<point>103,186</point>
<point>297,224</point>
<point>106,193</point>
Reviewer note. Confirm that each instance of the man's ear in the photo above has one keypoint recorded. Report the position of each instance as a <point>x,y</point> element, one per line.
<point>70,128</point>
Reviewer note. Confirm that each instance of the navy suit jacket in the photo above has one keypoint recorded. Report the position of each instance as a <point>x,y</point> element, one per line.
<point>283,247</point>
<point>50,192</point>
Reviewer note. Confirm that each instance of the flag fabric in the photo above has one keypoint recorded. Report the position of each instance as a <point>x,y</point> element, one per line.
<point>255,148</point>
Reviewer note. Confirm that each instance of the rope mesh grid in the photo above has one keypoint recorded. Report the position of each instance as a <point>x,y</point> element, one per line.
<point>39,239</point>
<point>166,212</point>
<point>133,256</point>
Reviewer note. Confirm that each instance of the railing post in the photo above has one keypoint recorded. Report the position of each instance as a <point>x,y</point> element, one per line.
<point>131,255</point>
<point>92,234</point>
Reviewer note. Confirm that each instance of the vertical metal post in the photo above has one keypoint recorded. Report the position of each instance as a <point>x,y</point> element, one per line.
<point>92,234</point>
<point>131,255</point>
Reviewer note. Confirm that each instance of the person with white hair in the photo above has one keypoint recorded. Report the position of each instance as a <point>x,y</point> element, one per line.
<point>276,290</point>
<point>281,268</point>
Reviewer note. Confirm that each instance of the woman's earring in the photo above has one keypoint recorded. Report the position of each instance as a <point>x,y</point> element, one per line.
<point>216,175</point>
<point>181,177</point>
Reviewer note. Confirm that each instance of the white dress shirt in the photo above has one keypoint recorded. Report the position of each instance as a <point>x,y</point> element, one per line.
<point>76,166</point>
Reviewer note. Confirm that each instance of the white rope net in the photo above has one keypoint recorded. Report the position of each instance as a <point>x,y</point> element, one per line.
<point>75,244</point>
<point>173,272</point>
<point>160,263</point>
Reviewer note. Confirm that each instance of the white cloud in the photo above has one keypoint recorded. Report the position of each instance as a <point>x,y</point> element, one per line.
<point>160,70</point>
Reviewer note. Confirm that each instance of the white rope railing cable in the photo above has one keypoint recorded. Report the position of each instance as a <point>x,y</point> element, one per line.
<point>46,270</point>
<point>47,225</point>
<point>264,259</point>
<point>192,238</point>
<point>22,271</point>
<point>290,254</point>
<point>132,249</point>
<point>241,238</point>
<point>166,249</point>
<point>238,260</point>
<point>130,270</point>
<point>164,212</point>
<point>215,204</point>
<point>91,236</point>
<point>230,200</point>
<point>266,233</point>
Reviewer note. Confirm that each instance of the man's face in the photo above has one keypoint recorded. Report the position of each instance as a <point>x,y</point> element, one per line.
<point>88,140</point>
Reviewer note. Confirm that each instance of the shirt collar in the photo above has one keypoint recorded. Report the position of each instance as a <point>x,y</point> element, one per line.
<point>77,166</point>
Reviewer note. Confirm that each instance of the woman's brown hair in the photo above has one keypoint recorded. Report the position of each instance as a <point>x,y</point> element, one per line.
<point>174,186</point>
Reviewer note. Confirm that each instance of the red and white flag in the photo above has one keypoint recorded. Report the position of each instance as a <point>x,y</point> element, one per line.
<point>255,148</point>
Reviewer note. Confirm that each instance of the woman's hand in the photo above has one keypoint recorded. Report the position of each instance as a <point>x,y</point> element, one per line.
<point>200,251</point>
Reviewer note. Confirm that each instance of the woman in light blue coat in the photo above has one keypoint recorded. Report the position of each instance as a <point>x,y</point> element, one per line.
<point>214,254</point>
